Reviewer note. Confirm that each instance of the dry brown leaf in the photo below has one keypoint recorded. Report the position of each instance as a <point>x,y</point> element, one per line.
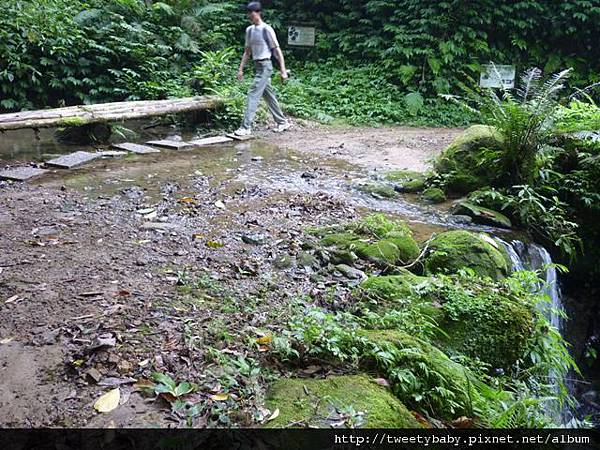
<point>108,402</point>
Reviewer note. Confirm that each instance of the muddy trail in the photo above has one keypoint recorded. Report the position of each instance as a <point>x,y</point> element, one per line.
<point>180,263</point>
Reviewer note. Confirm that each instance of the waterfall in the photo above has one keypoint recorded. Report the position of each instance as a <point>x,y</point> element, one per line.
<point>535,257</point>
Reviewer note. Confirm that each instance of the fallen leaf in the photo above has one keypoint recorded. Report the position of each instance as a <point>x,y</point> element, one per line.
<point>12,299</point>
<point>422,420</point>
<point>220,204</point>
<point>214,244</point>
<point>6,340</point>
<point>152,215</point>
<point>188,200</point>
<point>219,397</point>
<point>145,211</point>
<point>463,422</point>
<point>274,416</point>
<point>265,340</point>
<point>108,402</point>
<point>197,236</point>
<point>144,385</point>
<point>143,241</point>
<point>124,293</point>
<point>263,348</point>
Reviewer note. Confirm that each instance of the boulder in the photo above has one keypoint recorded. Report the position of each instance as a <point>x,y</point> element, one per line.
<point>452,251</point>
<point>433,195</point>
<point>318,403</point>
<point>461,160</point>
<point>481,215</point>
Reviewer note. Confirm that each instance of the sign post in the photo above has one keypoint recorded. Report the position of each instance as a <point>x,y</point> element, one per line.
<point>496,76</point>
<point>300,36</point>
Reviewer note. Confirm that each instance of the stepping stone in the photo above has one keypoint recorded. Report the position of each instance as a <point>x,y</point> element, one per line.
<point>174,145</point>
<point>21,173</point>
<point>211,140</point>
<point>135,148</point>
<point>73,160</point>
<point>240,138</point>
<point>113,153</point>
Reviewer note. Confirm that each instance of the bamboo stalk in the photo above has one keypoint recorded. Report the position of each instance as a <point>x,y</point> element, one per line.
<point>103,112</point>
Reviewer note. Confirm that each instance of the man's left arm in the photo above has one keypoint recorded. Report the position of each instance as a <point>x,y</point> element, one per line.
<point>279,54</point>
<point>274,47</point>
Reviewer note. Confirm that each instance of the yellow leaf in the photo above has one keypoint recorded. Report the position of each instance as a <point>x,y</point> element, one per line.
<point>108,402</point>
<point>265,340</point>
<point>213,244</point>
<point>274,416</point>
<point>219,397</point>
<point>188,200</point>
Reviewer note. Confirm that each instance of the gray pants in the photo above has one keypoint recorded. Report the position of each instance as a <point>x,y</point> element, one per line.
<point>261,87</point>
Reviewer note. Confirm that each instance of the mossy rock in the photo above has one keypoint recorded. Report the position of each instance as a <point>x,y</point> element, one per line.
<point>475,318</point>
<point>481,215</point>
<point>378,225</point>
<point>485,324</point>
<point>391,288</point>
<point>430,369</point>
<point>374,238</point>
<point>462,159</point>
<point>379,190</point>
<point>433,195</point>
<point>455,250</point>
<point>390,251</point>
<point>326,397</point>
<point>407,180</point>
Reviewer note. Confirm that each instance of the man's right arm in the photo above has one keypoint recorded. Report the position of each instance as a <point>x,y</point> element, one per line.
<point>245,58</point>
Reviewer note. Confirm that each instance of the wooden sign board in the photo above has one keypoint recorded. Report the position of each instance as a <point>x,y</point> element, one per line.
<point>301,36</point>
<point>496,76</point>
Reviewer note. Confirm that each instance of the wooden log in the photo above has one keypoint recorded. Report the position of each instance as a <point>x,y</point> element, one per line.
<point>103,112</point>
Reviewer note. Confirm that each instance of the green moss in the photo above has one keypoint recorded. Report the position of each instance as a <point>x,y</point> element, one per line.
<point>455,250</point>
<point>485,324</point>
<point>341,240</point>
<point>418,371</point>
<point>350,394</point>
<point>461,159</point>
<point>403,175</point>
<point>379,190</point>
<point>378,225</point>
<point>390,252</point>
<point>433,195</point>
<point>72,122</point>
<point>391,287</point>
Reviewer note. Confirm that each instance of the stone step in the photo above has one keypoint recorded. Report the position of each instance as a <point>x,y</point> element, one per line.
<point>173,145</point>
<point>112,153</point>
<point>73,160</point>
<point>211,141</point>
<point>21,173</point>
<point>240,138</point>
<point>135,148</point>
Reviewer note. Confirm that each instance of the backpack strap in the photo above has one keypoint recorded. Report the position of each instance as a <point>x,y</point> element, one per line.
<point>264,35</point>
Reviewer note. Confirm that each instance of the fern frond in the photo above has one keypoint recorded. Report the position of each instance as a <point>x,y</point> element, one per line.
<point>529,82</point>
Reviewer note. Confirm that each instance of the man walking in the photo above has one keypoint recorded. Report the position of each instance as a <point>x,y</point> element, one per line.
<point>261,42</point>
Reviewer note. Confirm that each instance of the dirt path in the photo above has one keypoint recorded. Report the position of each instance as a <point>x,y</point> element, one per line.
<point>173,263</point>
<point>384,148</point>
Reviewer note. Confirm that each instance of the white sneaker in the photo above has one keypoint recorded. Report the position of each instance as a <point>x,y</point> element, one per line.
<point>282,127</point>
<point>242,132</point>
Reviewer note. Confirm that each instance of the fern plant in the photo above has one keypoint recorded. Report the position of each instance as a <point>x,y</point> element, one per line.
<point>525,120</point>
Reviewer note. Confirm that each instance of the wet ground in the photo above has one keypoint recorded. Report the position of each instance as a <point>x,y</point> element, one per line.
<point>175,263</point>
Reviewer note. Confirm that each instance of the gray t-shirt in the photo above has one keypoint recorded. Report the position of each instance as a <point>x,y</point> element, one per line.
<point>261,39</point>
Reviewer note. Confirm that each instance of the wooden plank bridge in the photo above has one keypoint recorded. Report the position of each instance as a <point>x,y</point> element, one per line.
<point>103,113</point>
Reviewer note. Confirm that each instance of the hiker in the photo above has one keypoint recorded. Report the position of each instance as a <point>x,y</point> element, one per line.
<point>261,43</point>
